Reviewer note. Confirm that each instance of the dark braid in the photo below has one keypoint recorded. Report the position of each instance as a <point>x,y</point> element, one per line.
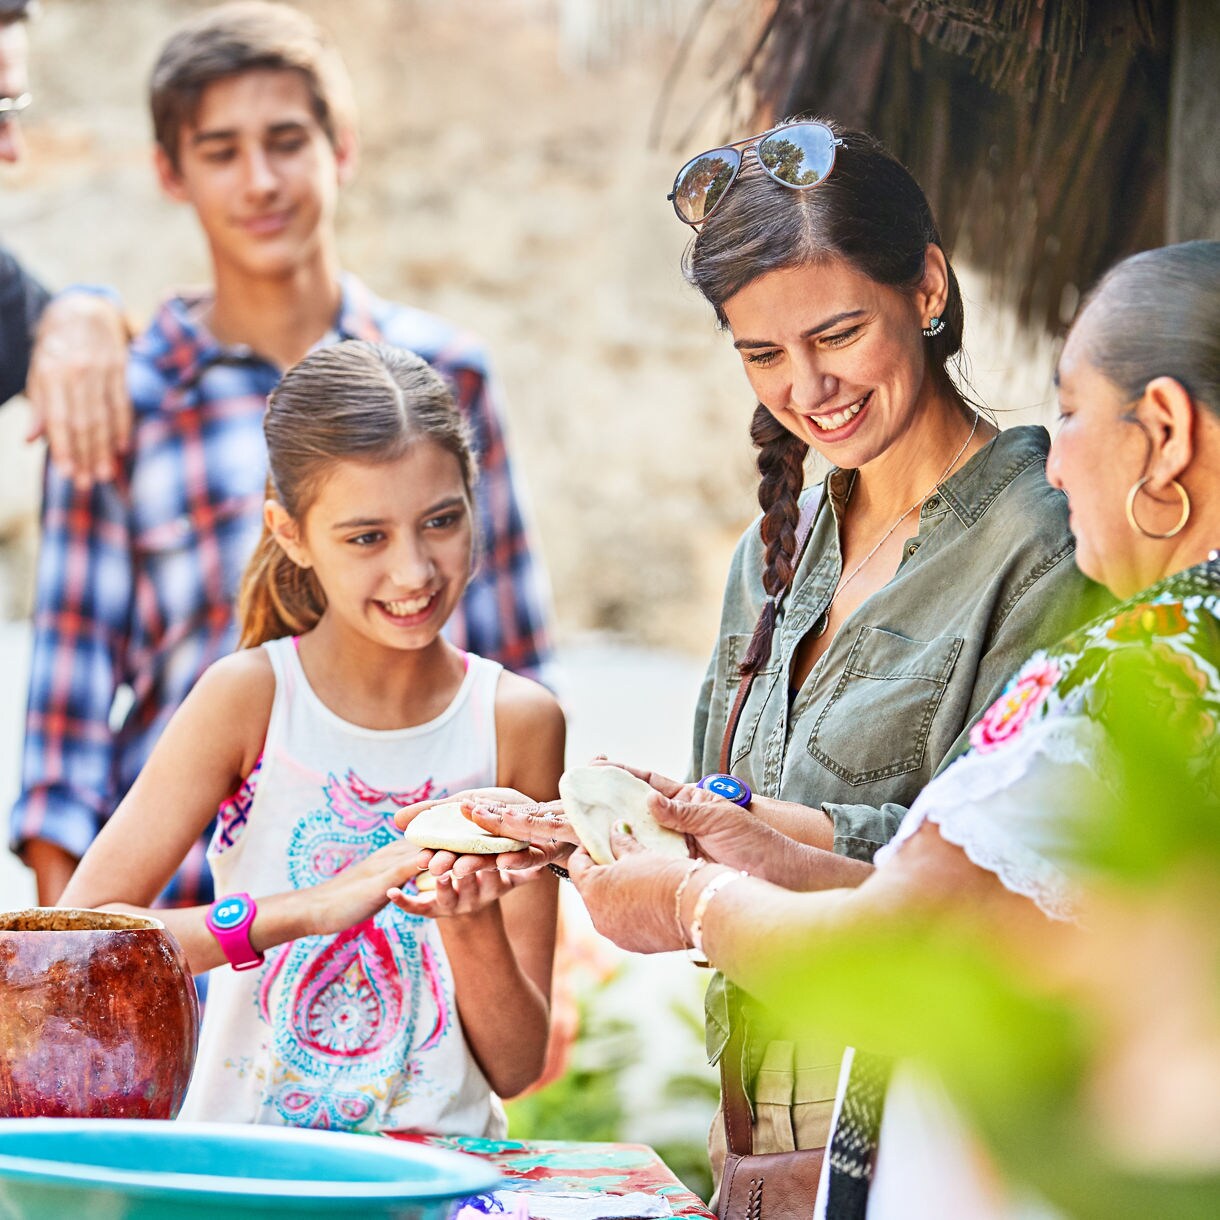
<point>781,465</point>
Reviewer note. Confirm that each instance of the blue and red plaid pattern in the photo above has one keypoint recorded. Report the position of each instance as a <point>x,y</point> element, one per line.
<point>137,579</point>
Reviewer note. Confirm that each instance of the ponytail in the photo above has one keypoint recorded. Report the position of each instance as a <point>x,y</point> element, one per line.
<point>781,465</point>
<point>277,597</point>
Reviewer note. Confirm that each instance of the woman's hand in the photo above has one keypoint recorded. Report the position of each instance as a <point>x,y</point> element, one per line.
<point>359,891</point>
<point>724,832</point>
<point>631,901</point>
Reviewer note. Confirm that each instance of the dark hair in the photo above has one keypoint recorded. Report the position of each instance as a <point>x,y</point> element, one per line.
<point>1157,314</point>
<point>244,36</point>
<point>354,401</point>
<point>869,212</point>
<point>17,10</point>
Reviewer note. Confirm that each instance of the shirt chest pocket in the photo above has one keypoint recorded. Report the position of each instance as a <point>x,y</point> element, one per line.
<point>876,723</point>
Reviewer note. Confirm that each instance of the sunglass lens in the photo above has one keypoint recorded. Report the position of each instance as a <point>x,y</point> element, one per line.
<point>701,182</point>
<point>800,155</point>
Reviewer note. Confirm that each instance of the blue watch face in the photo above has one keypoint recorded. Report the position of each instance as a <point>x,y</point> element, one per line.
<point>229,913</point>
<point>727,786</point>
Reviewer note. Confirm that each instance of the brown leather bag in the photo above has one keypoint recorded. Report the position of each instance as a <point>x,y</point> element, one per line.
<point>763,1186</point>
<point>769,1185</point>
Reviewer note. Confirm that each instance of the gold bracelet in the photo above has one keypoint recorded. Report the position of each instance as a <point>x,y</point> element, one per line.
<point>709,891</point>
<point>692,867</point>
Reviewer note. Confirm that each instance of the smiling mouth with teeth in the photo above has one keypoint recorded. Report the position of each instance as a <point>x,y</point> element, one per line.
<point>408,606</point>
<point>828,423</point>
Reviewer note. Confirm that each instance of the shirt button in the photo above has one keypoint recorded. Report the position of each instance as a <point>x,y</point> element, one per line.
<point>932,505</point>
<point>912,548</point>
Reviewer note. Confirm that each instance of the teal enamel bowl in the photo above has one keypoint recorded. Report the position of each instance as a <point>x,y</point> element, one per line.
<point>129,1169</point>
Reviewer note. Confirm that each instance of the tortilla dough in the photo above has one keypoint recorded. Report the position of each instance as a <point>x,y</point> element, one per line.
<point>446,828</point>
<point>594,798</point>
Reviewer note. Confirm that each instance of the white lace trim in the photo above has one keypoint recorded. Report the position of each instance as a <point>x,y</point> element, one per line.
<point>1011,809</point>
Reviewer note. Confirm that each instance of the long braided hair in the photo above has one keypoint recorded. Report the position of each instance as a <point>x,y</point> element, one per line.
<point>872,214</point>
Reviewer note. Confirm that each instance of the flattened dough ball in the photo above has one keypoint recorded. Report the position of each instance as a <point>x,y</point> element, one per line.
<point>594,798</point>
<point>446,828</point>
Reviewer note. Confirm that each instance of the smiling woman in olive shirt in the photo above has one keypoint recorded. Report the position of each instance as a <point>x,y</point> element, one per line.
<point>938,560</point>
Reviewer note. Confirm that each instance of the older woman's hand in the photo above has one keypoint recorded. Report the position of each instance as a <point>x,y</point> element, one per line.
<point>631,901</point>
<point>724,832</point>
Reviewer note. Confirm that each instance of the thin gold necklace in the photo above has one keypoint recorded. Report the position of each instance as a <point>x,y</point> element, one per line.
<point>846,580</point>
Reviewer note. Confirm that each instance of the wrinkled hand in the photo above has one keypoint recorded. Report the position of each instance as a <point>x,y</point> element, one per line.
<point>728,834</point>
<point>631,901</point>
<point>459,895</point>
<point>359,891</point>
<point>77,386</point>
<point>662,783</point>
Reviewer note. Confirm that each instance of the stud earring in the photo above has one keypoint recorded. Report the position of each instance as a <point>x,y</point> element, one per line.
<point>933,328</point>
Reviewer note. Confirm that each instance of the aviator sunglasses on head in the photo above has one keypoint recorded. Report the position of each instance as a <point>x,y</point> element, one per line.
<point>799,155</point>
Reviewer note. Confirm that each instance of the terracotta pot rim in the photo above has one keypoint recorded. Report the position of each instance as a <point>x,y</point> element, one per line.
<point>75,920</point>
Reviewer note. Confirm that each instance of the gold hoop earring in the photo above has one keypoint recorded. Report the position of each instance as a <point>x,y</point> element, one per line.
<point>1139,529</point>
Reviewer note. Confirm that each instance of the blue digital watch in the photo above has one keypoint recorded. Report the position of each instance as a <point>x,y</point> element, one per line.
<point>729,787</point>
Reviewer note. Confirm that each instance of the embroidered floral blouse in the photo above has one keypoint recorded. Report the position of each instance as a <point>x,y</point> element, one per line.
<point>1044,754</point>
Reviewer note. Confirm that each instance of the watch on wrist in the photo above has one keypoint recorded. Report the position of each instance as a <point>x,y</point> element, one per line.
<point>229,919</point>
<point>729,787</point>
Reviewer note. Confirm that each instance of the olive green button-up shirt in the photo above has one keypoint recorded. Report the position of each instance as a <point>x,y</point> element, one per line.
<point>986,579</point>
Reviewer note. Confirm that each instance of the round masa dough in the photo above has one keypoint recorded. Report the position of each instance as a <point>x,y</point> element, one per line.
<point>446,828</point>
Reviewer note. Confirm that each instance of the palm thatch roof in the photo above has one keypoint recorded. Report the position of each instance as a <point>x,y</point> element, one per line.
<point>1038,128</point>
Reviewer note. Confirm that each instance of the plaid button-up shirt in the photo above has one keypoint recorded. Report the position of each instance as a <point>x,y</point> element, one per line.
<point>137,579</point>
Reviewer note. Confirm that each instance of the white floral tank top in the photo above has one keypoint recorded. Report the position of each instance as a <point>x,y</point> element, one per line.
<point>358,1031</point>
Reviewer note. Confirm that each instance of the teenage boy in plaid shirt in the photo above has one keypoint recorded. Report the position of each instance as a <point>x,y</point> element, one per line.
<point>136,580</point>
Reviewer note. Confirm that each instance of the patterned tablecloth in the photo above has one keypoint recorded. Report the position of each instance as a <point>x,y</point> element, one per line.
<point>611,1169</point>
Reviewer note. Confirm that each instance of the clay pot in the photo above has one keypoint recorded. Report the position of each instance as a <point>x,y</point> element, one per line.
<point>98,1016</point>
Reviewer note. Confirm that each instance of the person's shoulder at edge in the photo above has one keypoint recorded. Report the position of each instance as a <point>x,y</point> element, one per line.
<point>436,339</point>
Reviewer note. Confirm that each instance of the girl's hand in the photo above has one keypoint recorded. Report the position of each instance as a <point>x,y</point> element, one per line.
<point>459,895</point>
<point>359,891</point>
<point>632,900</point>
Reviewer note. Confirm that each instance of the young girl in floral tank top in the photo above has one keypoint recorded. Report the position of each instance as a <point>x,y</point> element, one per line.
<point>329,1006</point>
